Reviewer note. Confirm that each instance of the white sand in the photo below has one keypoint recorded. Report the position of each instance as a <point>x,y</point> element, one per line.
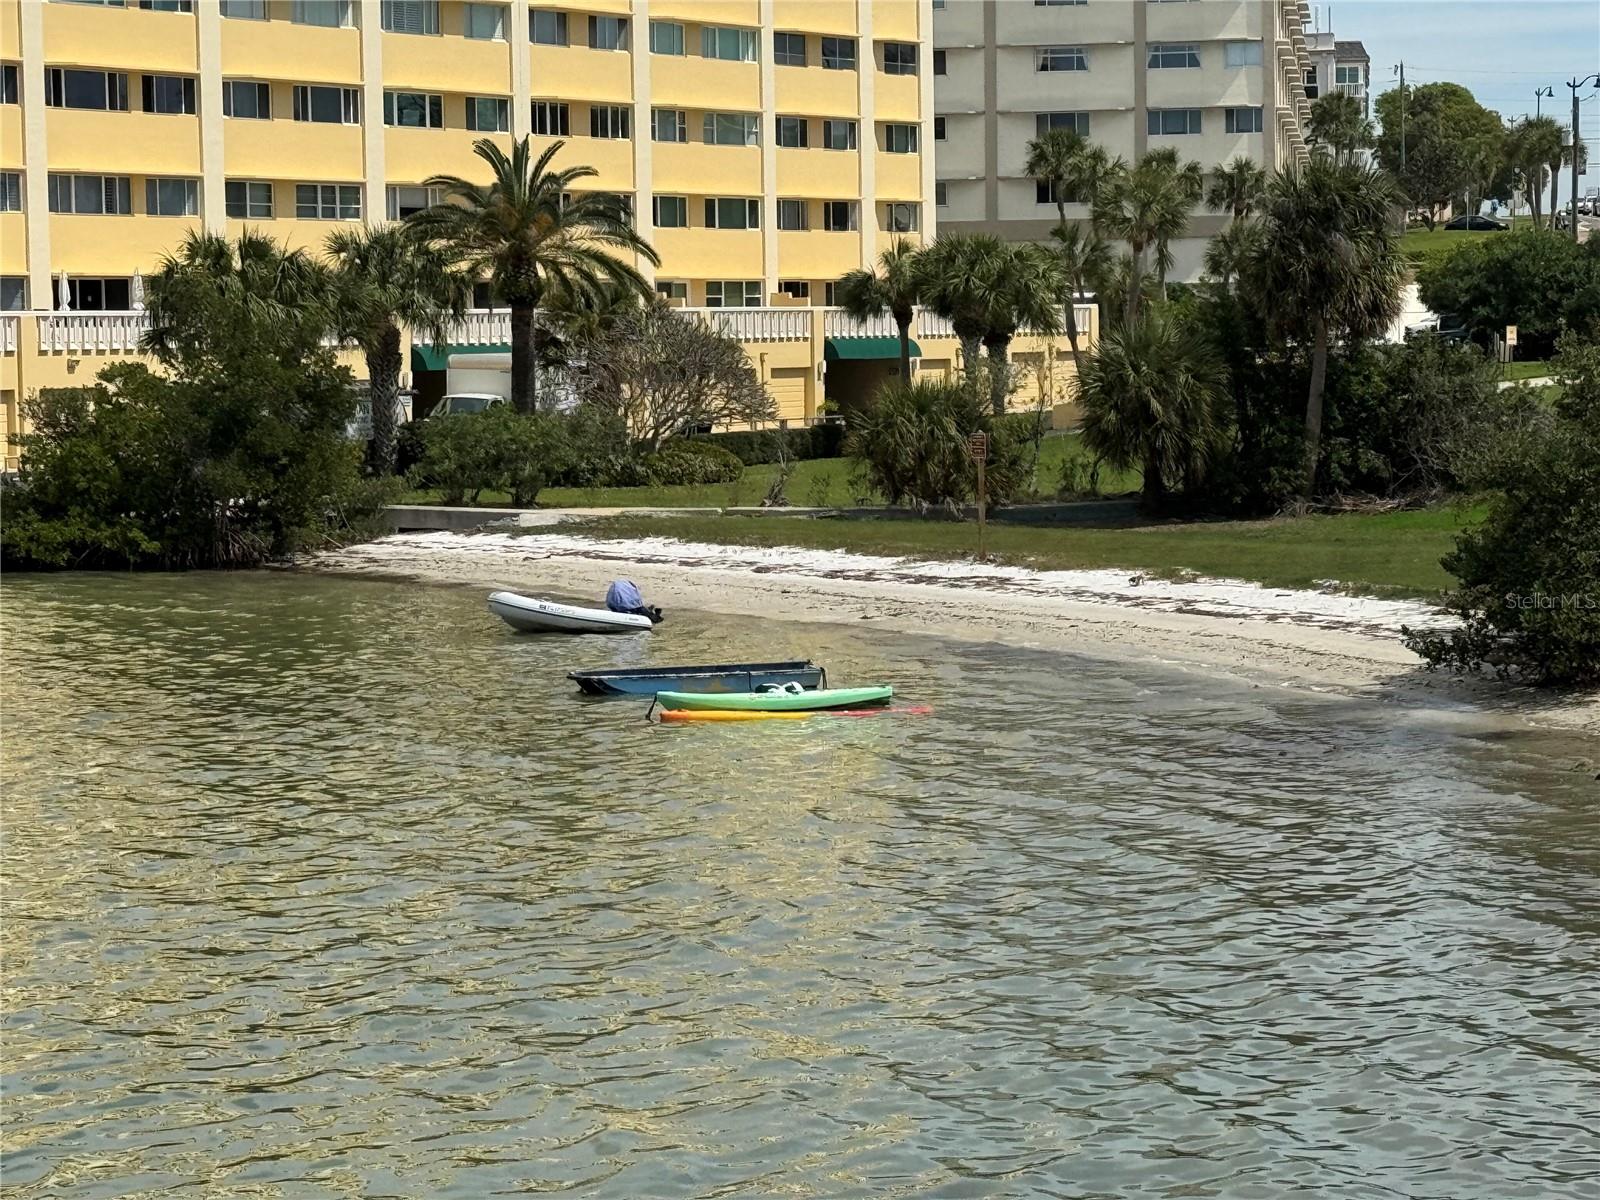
<point>1324,642</point>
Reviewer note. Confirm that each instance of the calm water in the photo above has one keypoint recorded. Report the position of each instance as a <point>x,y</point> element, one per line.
<point>322,887</point>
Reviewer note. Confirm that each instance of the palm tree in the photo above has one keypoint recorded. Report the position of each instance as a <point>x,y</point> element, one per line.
<point>894,287</point>
<point>1338,124</point>
<point>385,276</point>
<point>277,286</point>
<point>1229,250</point>
<point>1325,264</point>
<point>1022,290</point>
<point>530,232</point>
<point>1237,187</point>
<point>1147,206</point>
<point>951,271</point>
<point>1536,143</point>
<point>1085,260</point>
<point>1153,397</point>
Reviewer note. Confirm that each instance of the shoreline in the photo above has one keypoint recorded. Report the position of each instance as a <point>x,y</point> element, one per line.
<point>1320,643</point>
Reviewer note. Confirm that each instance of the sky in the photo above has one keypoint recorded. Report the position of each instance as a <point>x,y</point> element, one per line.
<point>1501,49</point>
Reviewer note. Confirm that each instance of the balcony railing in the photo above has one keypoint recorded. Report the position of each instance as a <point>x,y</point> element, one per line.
<point>758,324</point>
<point>9,327</point>
<point>838,323</point>
<point>91,332</point>
<point>480,327</point>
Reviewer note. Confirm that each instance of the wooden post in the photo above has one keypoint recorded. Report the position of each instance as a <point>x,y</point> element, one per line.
<point>978,447</point>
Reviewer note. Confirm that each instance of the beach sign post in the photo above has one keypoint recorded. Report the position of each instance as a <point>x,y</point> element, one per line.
<point>978,447</point>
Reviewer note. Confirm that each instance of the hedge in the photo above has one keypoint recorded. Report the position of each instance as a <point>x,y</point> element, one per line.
<point>760,446</point>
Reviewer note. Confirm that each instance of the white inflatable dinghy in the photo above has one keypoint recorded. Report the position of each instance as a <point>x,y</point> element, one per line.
<point>531,615</point>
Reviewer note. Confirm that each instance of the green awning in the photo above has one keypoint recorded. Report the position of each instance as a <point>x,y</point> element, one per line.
<point>436,358</point>
<point>858,349</point>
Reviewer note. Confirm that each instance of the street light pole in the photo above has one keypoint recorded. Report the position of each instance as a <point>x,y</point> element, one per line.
<point>1538,98</point>
<point>1575,85</point>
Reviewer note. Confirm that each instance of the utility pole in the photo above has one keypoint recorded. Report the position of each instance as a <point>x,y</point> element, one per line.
<point>1401,71</point>
<point>1538,98</point>
<point>1575,85</point>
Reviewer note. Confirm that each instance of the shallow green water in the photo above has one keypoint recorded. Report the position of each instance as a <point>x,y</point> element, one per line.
<point>322,887</point>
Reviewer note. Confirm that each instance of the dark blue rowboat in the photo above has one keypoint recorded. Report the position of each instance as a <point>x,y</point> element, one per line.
<point>727,677</point>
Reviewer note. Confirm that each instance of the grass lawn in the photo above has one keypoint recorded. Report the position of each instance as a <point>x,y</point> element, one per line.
<point>815,483</point>
<point>1388,554</point>
<point>1417,244</point>
<point>1531,369</point>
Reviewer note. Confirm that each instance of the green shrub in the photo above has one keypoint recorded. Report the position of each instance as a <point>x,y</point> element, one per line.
<point>465,454</point>
<point>692,462</point>
<point>757,446</point>
<point>1529,594</point>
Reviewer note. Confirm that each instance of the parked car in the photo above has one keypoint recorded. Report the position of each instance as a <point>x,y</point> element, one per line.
<point>467,402</point>
<point>1475,221</point>
<point>1447,327</point>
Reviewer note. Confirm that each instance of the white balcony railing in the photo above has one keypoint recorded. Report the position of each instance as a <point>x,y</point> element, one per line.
<point>9,327</point>
<point>930,324</point>
<point>838,323</point>
<point>758,324</point>
<point>480,327</point>
<point>91,332</point>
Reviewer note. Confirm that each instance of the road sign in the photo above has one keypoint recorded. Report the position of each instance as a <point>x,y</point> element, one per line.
<point>978,447</point>
<point>1511,335</point>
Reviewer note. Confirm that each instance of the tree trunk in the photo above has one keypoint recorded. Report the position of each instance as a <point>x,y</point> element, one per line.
<point>1071,315</point>
<point>1153,494</point>
<point>524,370</point>
<point>971,355</point>
<point>1555,195</point>
<point>1319,378</point>
<point>383,388</point>
<point>903,324</point>
<point>1135,286</point>
<point>999,374</point>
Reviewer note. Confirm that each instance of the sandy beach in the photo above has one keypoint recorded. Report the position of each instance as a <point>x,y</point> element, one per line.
<point>1321,642</point>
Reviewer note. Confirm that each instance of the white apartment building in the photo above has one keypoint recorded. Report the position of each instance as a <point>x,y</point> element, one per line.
<point>1213,78</point>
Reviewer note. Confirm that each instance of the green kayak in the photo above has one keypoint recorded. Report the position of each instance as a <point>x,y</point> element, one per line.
<point>807,701</point>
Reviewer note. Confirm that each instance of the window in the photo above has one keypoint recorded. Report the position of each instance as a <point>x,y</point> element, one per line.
<point>1058,3</point>
<point>838,135</point>
<point>405,199</point>
<point>10,191</point>
<point>95,295</point>
<point>666,37</point>
<point>332,14</point>
<point>731,129</point>
<point>829,287</point>
<point>1242,120</point>
<point>734,45</point>
<point>550,118</point>
<point>792,215</point>
<point>900,216</point>
<point>546,28</point>
<point>328,201</point>
<point>489,114</point>
<point>414,110</point>
<point>939,63</point>
<point>1167,122</point>
<point>1060,58</point>
<point>733,293</point>
<point>670,212</point>
<point>1312,86</point>
<point>8,83</point>
<point>246,99</point>
<point>246,10</point>
<point>938,129</point>
<point>899,58</point>
<point>13,293</point>
<point>839,54</point>
<point>672,289</point>
<point>899,139</point>
<point>485,22</point>
<point>839,216</point>
<point>168,94</point>
<point>793,131</point>
<point>173,6</point>
<point>938,5</point>
<point>410,16</point>
<point>789,49</point>
<point>172,197</point>
<point>608,33</point>
<point>1343,77</point>
<point>732,212</point>
<point>1166,57</point>
<point>327,105</point>
<point>248,199</point>
<point>91,194</point>
<point>669,125</point>
<point>1046,192</point>
<point>609,120</point>
<point>1078,122</point>
<point>67,88</point>
<point>1241,54</point>
<point>798,289</point>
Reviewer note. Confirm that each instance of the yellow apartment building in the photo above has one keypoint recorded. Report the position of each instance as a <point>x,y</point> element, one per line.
<point>766,147</point>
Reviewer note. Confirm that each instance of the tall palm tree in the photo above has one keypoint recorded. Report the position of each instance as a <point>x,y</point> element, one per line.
<point>1326,264</point>
<point>1231,248</point>
<point>1085,259</point>
<point>952,270</point>
<point>1337,123</point>
<point>1154,396</point>
<point>384,276</point>
<point>1021,289</point>
<point>1537,142</point>
<point>1147,206</point>
<point>894,287</point>
<point>1237,187</point>
<point>530,232</point>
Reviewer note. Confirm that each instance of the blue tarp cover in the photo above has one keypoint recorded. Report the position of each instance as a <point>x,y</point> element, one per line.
<point>622,596</point>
